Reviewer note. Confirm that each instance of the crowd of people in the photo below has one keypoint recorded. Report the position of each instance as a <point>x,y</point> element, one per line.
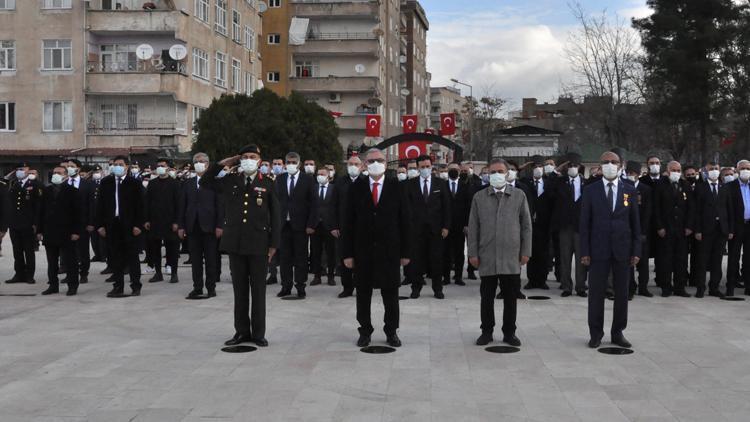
<point>280,220</point>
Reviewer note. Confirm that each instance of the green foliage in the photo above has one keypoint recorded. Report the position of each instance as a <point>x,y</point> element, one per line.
<point>277,125</point>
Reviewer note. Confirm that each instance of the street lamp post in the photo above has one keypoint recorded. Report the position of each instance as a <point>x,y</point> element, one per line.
<point>471,115</point>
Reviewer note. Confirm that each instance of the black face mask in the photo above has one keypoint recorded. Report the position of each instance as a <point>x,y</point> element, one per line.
<point>692,179</point>
<point>453,173</point>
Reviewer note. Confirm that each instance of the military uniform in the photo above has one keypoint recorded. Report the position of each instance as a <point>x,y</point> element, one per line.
<point>24,197</point>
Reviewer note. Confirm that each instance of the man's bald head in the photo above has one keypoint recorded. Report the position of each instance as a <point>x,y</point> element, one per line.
<point>674,167</point>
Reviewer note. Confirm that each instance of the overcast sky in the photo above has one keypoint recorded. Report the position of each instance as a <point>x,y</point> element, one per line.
<point>515,46</point>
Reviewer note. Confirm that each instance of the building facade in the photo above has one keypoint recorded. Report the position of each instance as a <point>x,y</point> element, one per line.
<point>416,77</point>
<point>101,77</point>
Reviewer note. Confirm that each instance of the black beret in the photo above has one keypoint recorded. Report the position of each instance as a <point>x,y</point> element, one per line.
<point>96,168</point>
<point>573,158</point>
<point>633,167</point>
<point>250,148</point>
<point>537,160</point>
<point>23,164</point>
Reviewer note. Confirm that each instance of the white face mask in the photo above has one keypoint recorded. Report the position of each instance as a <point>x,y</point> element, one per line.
<point>291,169</point>
<point>401,177</point>
<point>172,174</point>
<point>57,179</point>
<point>633,178</point>
<point>248,166</point>
<point>353,171</point>
<point>200,167</point>
<point>728,179</point>
<point>610,171</point>
<point>713,175</point>
<point>538,172</point>
<point>425,172</point>
<point>309,169</point>
<point>322,180</point>
<point>72,171</point>
<point>376,169</point>
<point>412,173</point>
<point>96,176</point>
<point>161,171</point>
<point>365,173</point>
<point>573,172</point>
<point>511,176</point>
<point>118,171</point>
<point>744,175</point>
<point>444,175</point>
<point>548,168</point>
<point>674,176</point>
<point>32,176</point>
<point>134,171</point>
<point>471,171</point>
<point>497,180</point>
<point>20,174</point>
<point>654,169</point>
<point>331,174</point>
<point>145,183</point>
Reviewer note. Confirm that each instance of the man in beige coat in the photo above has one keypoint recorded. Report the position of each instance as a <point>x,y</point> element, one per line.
<point>499,245</point>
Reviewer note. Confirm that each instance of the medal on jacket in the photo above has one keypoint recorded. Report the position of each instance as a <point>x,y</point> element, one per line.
<point>259,199</point>
<point>625,199</point>
<point>684,196</point>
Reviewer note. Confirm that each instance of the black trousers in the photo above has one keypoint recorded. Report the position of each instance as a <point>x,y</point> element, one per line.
<point>249,280</point>
<point>672,258</point>
<point>453,254</point>
<point>67,251</point>
<point>739,250</point>
<point>428,259</point>
<point>203,249</point>
<point>123,254</point>
<point>347,275</point>
<point>510,286</point>
<point>599,272</point>
<point>293,257</point>
<point>172,247</point>
<point>98,245</point>
<point>83,256</point>
<point>712,253</point>
<point>323,241</point>
<point>390,307</point>
<point>24,260</point>
<point>642,267</point>
<point>538,269</point>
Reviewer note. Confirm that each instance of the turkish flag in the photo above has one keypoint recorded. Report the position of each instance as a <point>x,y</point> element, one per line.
<point>372,125</point>
<point>412,150</point>
<point>448,124</point>
<point>410,123</point>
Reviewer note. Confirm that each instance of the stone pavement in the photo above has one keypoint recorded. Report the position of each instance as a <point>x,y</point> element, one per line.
<point>157,358</point>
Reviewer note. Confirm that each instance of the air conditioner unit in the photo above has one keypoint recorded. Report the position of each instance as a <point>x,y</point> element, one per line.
<point>334,97</point>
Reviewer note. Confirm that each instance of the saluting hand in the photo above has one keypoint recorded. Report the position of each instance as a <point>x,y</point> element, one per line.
<point>229,161</point>
<point>175,227</point>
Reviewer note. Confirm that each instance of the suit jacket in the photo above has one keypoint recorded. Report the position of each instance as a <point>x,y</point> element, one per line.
<point>712,209</point>
<point>648,181</point>
<point>300,207</point>
<point>645,206</point>
<point>86,190</point>
<point>607,234</point>
<point>327,209</point>
<point>130,201</point>
<point>199,207</point>
<point>541,206</point>
<point>343,185</point>
<point>737,205</point>
<point>377,237</point>
<point>567,209</point>
<point>436,211</point>
<point>460,204</point>
<point>162,200</point>
<point>61,214</point>
<point>674,208</point>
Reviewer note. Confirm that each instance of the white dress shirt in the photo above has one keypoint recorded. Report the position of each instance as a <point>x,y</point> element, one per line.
<point>74,181</point>
<point>576,187</point>
<point>539,187</point>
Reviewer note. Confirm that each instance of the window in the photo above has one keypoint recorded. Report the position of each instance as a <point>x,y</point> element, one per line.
<point>7,55</point>
<point>196,115</point>
<point>58,116</point>
<point>274,3</point>
<point>221,17</point>
<point>249,38</point>
<point>273,76</point>
<point>274,38</point>
<point>201,10</point>
<point>236,75</point>
<point>249,83</point>
<point>236,27</point>
<point>221,69</point>
<point>56,4</point>
<point>200,63</point>
<point>7,117</point>
<point>306,69</point>
<point>118,58</point>
<point>7,4</point>
<point>56,54</point>
<point>119,116</point>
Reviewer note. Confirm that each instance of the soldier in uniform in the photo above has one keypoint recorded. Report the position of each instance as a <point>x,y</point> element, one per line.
<point>24,197</point>
<point>252,233</point>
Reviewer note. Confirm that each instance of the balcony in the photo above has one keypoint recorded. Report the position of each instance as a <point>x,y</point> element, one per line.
<point>340,44</point>
<point>333,9</point>
<point>351,84</point>
<point>138,76</point>
<point>138,20</point>
<point>351,122</point>
<point>133,115</point>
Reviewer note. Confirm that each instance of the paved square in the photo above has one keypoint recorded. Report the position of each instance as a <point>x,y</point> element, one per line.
<point>157,358</point>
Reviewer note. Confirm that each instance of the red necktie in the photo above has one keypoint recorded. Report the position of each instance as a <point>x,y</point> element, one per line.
<point>375,193</point>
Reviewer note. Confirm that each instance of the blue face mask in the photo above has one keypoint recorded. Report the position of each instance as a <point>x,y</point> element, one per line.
<point>263,169</point>
<point>20,174</point>
<point>277,169</point>
<point>118,171</point>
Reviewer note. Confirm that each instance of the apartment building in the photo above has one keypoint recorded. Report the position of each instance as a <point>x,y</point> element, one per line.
<point>416,76</point>
<point>447,99</point>
<point>102,77</point>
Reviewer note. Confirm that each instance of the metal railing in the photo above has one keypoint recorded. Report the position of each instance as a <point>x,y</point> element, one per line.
<point>131,128</point>
<point>126,5</point>
<point>341,36</point>
<point>137,66</point>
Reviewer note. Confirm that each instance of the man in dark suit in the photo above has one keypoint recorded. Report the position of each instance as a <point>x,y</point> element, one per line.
<point>429,202</point>
<point>610,243</point>
<point>162,199</point>
<point>59,227</point>
<point>739,245</point>
<point>541,206</point>
<point>200,219</point>
<point>252,223</point>
<point>24,196</point>
<point>343,185</point>
<point>460,198</point>
<point>673,218</point>
<point>119,219</point>
<point>97,243</point>
<point>565,220</point>
<point>653,177</point>
<point>713,226</point>
<point>645,208</point>
<point>86,197</point>
<point>376,239</point>
<point>327,229</point>
<point>297,196</point>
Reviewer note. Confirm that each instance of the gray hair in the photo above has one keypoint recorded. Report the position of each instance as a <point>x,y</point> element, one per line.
<point>499,161</point>
<point>742,162</point>
<point>372,150</point>
<point>200,155</point>
<point>292,156</point>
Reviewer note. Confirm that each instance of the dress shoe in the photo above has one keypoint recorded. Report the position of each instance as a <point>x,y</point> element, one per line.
<point>512,340</point>
<point>716,293</point>
<point>271,280</point>
<point>284,292</point>
<point>238,339</point>
<point>645,293</point>
<point>666,293</point>
<point>174,279</point>
<point>472,276</point>
<point>316,281</point>
<point>393,340</point>
<point>194,294</point>
<point>72,291</point>
<point>301,292</point>
<point>520,295</point>
<point>700,293</point>
<point>345,293</point>
<point>460,282</point>
<point>740,284</point>
<point>14,280</point>
<point>107,270</point>
<point>621,341</point>
<point>260,342</point>
<point>136,292</point>
<point>363,341</point>
<point>631,295</point>
<point>484,339</point>
<point>84,279</point>
<point>51,291</point>
<point>582,293</point>
<point>439,295</point>
<point>595,343</point>
<point>115,293</point>
<point>566,294</point>
<point>30,281</point>
<point>156,278</point>
<point>331,281</point>
<point>414,294</point>
<point>681,293</point>
<point>211,293</point>
<point>609,295</point>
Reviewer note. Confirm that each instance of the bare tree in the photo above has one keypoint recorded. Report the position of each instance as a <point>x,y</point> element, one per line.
<point>485,115</point>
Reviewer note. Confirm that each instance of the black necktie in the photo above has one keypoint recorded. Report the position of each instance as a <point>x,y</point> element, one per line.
<point>536,187</point>
<point>291,186</point>
<point>611,196</point>
<point>453,188</point>
<point>322,193</point>
<point>713,188</point>
<point>426,191</point>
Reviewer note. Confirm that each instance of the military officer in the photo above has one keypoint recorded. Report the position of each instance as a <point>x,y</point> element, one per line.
<point>24,196</point>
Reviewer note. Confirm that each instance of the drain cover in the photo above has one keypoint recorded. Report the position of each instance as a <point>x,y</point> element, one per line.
<point>615,351</point>
<point>502,349</point>
<point>239,349</point>
<point>538,297</point>
<point>377,350</point>
<point>18,294</point>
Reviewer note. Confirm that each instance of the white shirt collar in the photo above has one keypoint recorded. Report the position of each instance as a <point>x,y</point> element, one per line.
<point>616,182</point>
<point>377,181</point>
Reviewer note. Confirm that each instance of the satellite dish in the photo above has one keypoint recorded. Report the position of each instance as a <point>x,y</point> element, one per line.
<point>262,6</point>
<point>359,68</point>
<point>374,102</point>
<point>178,52</point>
<point>402,59</point>
<point>405,92</point>
<point>144,51</point>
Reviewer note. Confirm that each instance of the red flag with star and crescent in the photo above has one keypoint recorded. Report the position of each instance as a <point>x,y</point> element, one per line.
<point>372,125</point>
<point>447,124</point>
<point>410,123</point>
